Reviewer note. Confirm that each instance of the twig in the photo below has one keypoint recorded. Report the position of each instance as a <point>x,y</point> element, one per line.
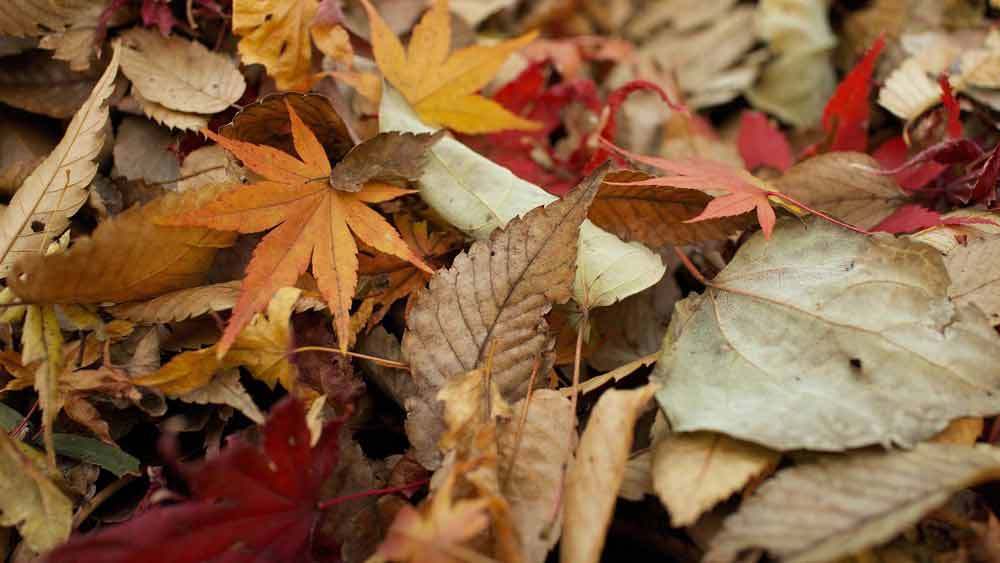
<point>377,360</point>
<point>99,499</point>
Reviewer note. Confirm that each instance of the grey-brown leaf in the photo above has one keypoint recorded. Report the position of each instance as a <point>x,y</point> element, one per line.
<point>387,157</point>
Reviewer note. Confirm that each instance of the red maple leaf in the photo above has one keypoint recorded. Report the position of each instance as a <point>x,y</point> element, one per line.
<point>762,144</point>
<point>249,504</point>
<point>845,118</point>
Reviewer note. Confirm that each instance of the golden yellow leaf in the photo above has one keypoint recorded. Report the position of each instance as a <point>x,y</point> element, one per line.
<point>964,430</point>
<point>441,87</point>
<point>43,341</point>
<point>275,33</point>
<point>30,500</point>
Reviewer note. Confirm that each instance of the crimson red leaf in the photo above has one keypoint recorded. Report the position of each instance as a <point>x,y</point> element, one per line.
<point>845,118</point>
<point>951,108</point>
<point>909,218</point>
<point>893,153</point>
<point>761,143</point>
<point>985,190</point>
<point>249,504</point>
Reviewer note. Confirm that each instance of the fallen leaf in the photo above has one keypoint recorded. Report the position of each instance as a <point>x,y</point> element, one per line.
<point>226,389</point>
<point>34,18</point>
<point>476,196</point>
<point>844,505</point>
<point>593,481</point>
<point>266,122</point>
<point>23,146</point>
<point>762,144</point>
<point>975,275</point>
<point>275,33</point>
<point>789,324</point>
<point>206,165</point>
<point>41,208</point>
<point>311,221</point>
<point>694,472</point>
<point>115,264</point>
<point>248,500</point>
<point>625,208</point>
<point>30,500</point>
<point>907,92</point>
<point>392,158</point>
<point>440,87</point>
<point>845,117</point>
<point>963,431</point>
<point>847,185</point>
<point>26,81</point>
<point>168,117</point>
<point>141,153</point>
<point>178,74</point>
<point>76,44</point>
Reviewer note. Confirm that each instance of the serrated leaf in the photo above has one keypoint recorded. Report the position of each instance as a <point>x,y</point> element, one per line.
<point>178,74</point>
<point>41,208</point>
<point>841,506</point>
<point>847,340</point>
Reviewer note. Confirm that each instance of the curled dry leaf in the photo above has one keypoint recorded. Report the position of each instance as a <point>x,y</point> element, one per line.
<point>629,212</point>
<point>840,506</point>
<point>394,158</point>
<point>226,389</point>
<point>178,74</point>
<point>477,195</point>
<point>788,331</point>
<point>29,499</point>
<point>593,481</point>
<point>266,122</point>
<point>693,472</point>
<point>115,264</point>
<point>275,33</point>
<point>41,208</point>
<point>847,185</point>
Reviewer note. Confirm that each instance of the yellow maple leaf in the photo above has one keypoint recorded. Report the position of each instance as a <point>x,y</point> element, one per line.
<point>440,86</point>
<point>275,33</point>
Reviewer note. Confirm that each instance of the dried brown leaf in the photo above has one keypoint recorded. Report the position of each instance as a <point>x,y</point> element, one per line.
<point>196,301</point>
<point>141,153</point>
<point>27,82</point>
<point>34,18</point>
<point>388,157</point>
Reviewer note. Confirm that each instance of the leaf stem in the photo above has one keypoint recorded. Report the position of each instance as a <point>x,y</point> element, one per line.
<point>377,360</point>
<point>87,509</point>
<point>188,176</point>
<point>329,503</point>
<point>20,425</point>
<point>818,213</point>
<point>692,268</point>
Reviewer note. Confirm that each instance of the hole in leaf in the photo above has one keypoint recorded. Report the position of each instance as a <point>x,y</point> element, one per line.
<point>37,226</point>
<point>856,363</point>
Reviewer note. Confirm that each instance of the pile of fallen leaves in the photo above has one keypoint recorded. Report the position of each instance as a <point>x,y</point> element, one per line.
<point>499,280</point>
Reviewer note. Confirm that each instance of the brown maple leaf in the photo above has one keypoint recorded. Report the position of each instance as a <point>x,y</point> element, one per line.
<point>311,221</point>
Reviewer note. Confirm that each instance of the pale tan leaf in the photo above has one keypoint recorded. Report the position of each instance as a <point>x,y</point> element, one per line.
<point>475,11</point>
<point>196,301</point>
<point>24,144</point>
<point>30,500</point>
<point>638,479</point>
<point>141,153</point>
<point>41,208</point>
<point>847,340</point>
<point>908,91</point>
<point>28,80</point>
<point>178,74</point>
<point>206,165</point>
<point>693,472</point>
<point>77,44</point>
<point>592,483</point>
<point>226,389</point>
<point>531,468</point>
<point>168,117</point>
<point>115,264</point>
<point>975,275</point>
<point>34,18</point>
<point>843,505</point>
<point>846,185</point>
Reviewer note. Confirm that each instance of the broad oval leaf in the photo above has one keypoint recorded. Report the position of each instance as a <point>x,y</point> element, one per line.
<point>838,507</point>
<point>826,339</point>
<point>477,195</point>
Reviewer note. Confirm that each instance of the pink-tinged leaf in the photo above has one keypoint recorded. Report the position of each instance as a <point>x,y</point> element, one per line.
<point>845,118</point>
<point>762,144</point>
<point>912,217</point>
<point>158,13</point>
<point>893,153</point>
<point>250,504</point>
<point>985,190</point>
<point>951,107</point>
<point>744,191</point>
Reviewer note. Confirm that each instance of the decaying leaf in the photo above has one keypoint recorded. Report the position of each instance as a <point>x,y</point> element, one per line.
<point>476,196</point>
<point>29,499</point>
<point>41,208</point>
<point>593,481</point>
<point>28,79</point>
<point>840,506</point>
<point>226,389</point>
<point>693,472</point>
<point>975,275</point>
<point>115,264</point>
<point>142,153</point>
<point>789,331</point>
<point>178,74</point>
<point>847,185</point>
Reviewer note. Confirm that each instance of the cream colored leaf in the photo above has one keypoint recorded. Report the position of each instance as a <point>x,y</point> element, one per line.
<point>693,472</point>
<point>842,505</point>
<point>226,389</point>
<point>477,195</point>
<point>178,74</point>
<point>908,92</point>
<point>531,468</point>
<point>475,11</point>
<point>142,153</point>
<point>77,44</point>
<point>638,479</point>
<point>975,275</point>
<point>206,165</point>
<point>170,118</point>
<point>847,185</point>
<point>593,481</point>
<point>30,500</point>
<point>196,301</point>
<point>847,340</point>
<point>41,208</point>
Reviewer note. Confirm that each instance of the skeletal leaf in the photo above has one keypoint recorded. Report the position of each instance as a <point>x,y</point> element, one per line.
<point>840,506</point>
<point>476,196</point>
<point>30,500</point>
<point>593,481</point>
<point>846,185</point>
<point>789,331</point>
<point>115,263</point>
<point>693,472</point>
<point>41,208</point>
<point>178,74</point>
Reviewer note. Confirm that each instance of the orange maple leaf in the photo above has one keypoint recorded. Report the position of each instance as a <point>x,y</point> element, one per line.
<point>745,192</point>
<point>311,221</point>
